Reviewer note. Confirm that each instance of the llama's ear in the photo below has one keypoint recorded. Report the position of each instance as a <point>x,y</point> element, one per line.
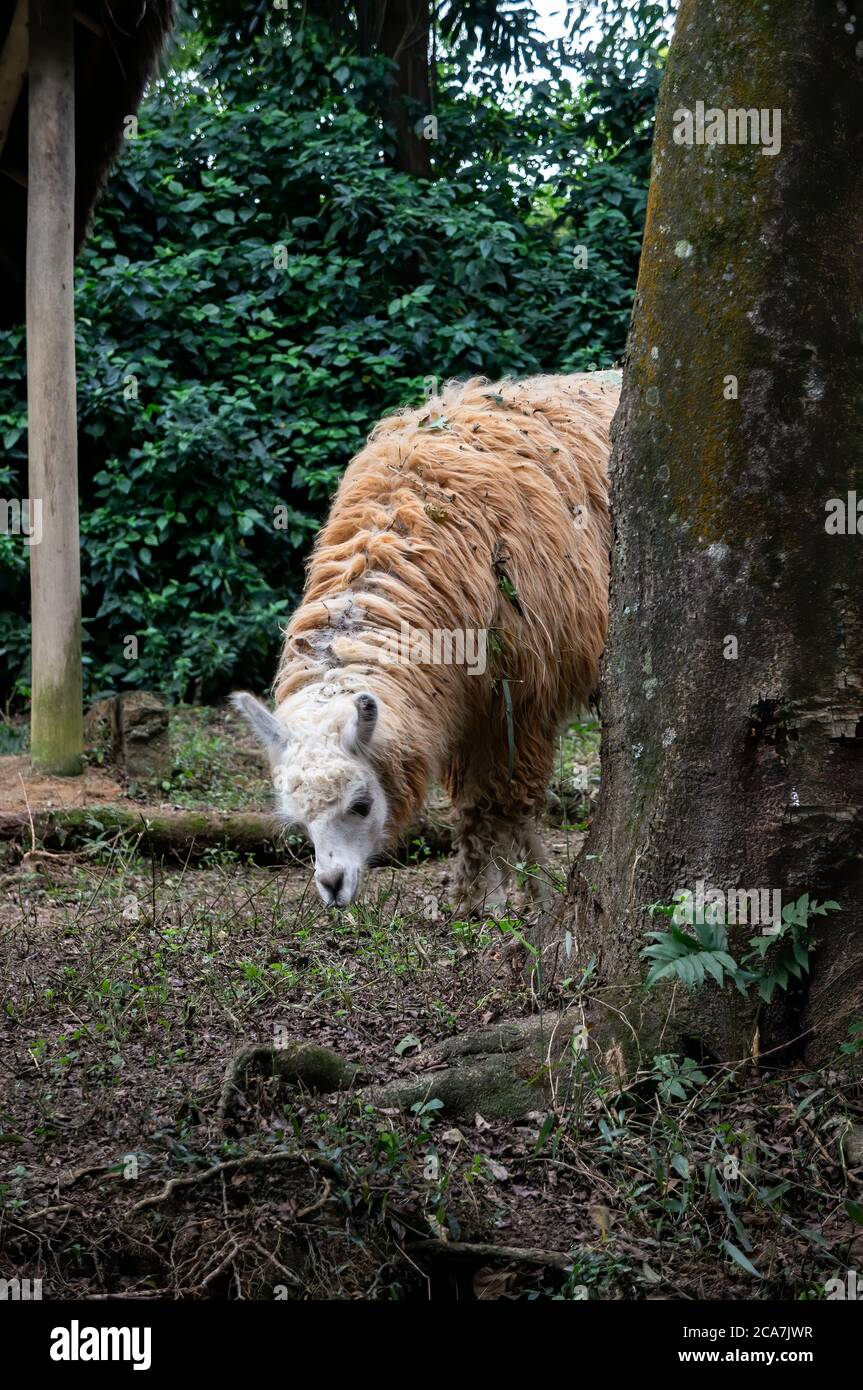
<point>273,734</point>
<point>366,719</point>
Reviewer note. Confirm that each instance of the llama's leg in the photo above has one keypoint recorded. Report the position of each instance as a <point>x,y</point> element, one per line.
<point>476,834</point>
<point>520,804</point>
<point>520,842</point>
<point>497,817</point>
<point>494,844</point>
<point>519,852</point>
<point>477,889</point>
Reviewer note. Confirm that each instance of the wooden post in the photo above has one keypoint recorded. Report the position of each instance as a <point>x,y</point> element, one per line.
<point>55,561</point>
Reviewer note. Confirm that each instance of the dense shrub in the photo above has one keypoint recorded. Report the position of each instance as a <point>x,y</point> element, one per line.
<point>260,286</point>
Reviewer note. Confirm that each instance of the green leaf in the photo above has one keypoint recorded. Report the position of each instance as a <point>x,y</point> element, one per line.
<point>739,1258</point>
<point>680,1164</point>
<point>807,1101</point>
<point>855,1211</point>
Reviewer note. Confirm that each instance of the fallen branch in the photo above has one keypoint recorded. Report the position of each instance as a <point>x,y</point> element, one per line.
<point>55,1210</point>
<point>479,1252</point>
<point>184,835</point>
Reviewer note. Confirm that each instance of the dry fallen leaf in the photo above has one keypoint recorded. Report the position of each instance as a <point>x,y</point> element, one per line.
<point>602,1218</point>
<point>496,1169</point>
<point>491,1283</point>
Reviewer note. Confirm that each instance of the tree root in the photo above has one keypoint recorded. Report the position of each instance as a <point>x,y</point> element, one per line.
<point>308,1065</point>
<point>503,1072</point>
<point>234,1165</point>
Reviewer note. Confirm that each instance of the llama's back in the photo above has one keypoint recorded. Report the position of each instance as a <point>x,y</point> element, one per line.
<point>547,391</point>
<point>484,508</point>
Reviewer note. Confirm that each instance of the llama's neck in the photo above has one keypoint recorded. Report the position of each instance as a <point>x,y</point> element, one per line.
<point>350,654</point>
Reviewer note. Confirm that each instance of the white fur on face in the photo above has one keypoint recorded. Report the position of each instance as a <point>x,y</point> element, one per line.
<point>339,802</point>
<point>318,750</point>
<point>325,784</point>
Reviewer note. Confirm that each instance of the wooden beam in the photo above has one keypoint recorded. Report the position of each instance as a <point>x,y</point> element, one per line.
<point>88,22</point>
<point>14,174</point>
<point>55,577</point>
<point>13,68</point>
<point>12,267</point>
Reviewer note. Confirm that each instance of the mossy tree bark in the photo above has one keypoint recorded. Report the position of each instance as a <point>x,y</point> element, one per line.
<point>57,737</point>
<point>732,698</point>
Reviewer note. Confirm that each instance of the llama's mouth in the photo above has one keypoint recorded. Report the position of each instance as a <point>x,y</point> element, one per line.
<point>338,888</point>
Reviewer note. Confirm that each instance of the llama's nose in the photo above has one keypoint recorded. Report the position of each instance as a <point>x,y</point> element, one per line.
<point>331,884</point>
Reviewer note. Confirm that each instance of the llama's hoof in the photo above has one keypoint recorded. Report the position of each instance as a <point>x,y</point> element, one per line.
<point>476,908</point>
<point>490,909</point>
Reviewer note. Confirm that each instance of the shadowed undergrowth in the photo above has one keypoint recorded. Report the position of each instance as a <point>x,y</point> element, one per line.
<point>127,988</point>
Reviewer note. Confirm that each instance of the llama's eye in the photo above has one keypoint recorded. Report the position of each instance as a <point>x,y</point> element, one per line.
<point>361,808</point>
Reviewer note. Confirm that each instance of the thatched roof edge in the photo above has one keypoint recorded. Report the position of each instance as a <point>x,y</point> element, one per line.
<point>118,44</point>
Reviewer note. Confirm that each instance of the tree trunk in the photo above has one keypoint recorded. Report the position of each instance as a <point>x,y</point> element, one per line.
<point>732,745</point>
<point>402,31</point>
<point>57,719</point>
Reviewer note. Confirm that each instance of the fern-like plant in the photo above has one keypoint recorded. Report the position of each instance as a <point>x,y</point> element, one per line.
<point>692,953</point>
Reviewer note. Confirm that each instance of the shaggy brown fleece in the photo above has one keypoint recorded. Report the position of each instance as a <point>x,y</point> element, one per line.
<point>485,509</point>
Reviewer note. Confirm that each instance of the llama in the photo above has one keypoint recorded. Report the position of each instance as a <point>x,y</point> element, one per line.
<point>483,512</point>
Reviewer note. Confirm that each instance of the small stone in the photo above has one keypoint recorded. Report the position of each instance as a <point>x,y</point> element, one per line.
<point>144,747</point>
<point>100,730</point>
<point>852,1146</point>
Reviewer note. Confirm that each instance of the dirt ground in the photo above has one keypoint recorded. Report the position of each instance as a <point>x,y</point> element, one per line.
<point>21,788</point>
<point>127,986</point>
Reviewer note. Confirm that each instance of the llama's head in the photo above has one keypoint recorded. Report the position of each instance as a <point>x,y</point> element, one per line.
<point>325,782</point>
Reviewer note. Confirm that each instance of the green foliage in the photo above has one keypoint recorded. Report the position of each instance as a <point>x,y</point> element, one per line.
<point>260,286</point>
<point>775,956</point>
<point>677,955</point>
<point>853,1047</point>
<point>11,738</point>
<point>676,1077</point>
<point>207,769</point>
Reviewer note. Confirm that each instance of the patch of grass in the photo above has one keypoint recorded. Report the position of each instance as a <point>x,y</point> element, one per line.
<point>580,743</point>
<point>213,764</point>
<point>576,773</point>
